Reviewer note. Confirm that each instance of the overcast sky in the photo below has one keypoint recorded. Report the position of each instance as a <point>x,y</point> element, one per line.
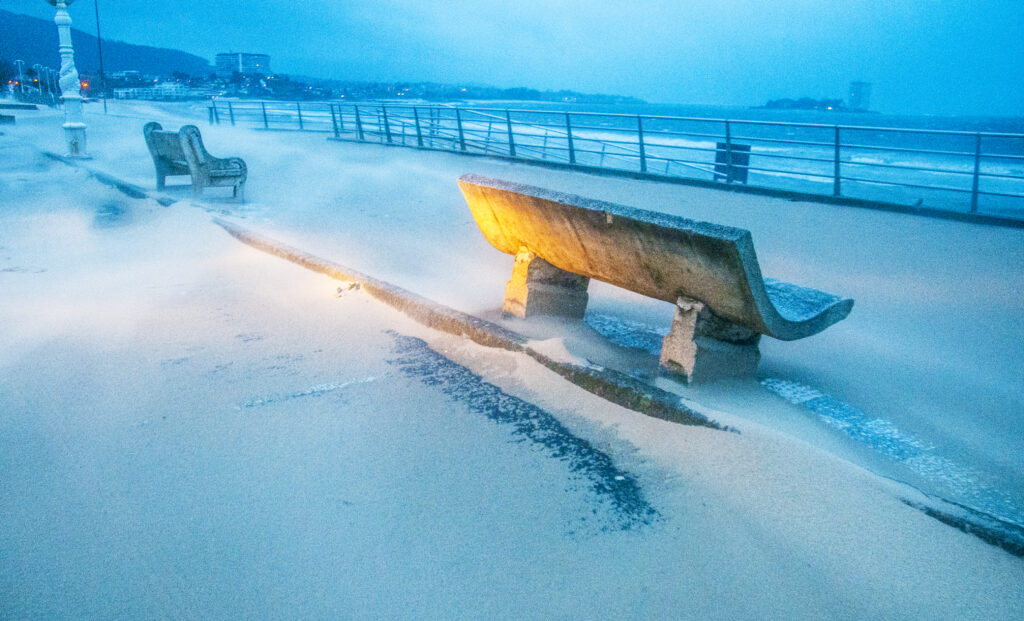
<point>922,56</point>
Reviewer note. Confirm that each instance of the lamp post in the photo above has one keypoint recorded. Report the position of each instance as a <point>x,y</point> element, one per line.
<point>20,64</point>
<point>70,87</point>
<point>40,79</point>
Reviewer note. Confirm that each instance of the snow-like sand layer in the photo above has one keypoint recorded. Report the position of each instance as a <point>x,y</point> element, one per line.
<point>192,428</point>
<point>934,347</point>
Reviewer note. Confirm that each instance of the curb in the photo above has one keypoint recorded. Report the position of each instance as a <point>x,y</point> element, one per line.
<point>608,384</point>
<point>129,189</point>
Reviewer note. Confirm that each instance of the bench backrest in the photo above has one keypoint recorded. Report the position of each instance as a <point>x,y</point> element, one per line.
<point>192,145</point>
<point>166,145</point>
<point>184,146</point>
<point>654,254</point>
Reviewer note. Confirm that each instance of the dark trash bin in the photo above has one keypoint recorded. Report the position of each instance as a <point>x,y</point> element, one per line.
<point>734,169</point>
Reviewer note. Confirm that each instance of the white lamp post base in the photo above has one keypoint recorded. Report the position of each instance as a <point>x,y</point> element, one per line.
<point>74,134</point>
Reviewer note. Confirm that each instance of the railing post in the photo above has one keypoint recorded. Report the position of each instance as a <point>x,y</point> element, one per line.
<point>568,133</point>
<point>359,125</point>
<point>728,153</point>
<point>511,141</point>
<point>334,121</point>
<point>298,108</point>
<point>977,173</point>
<point>231,114</point>
<point>835,171</point>
<point>419,132</point>
<point>640,141</point>
<point>387,126</point>
<point>462,137</point>
<point>266,124</point>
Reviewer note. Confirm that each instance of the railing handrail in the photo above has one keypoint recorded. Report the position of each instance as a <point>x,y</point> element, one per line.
<point>662,150</point>
<point>699,119</point>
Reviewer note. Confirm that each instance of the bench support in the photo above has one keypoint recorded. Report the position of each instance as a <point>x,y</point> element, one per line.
<point>702,346</point>
<point>539,288</point>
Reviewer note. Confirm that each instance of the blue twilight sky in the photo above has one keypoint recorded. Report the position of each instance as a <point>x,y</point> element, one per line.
<point>922,56</point>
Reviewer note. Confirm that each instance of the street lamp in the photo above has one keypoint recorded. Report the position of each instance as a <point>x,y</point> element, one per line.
<point>20,64</point>
<point>40,79</point>
<point>70,88</point>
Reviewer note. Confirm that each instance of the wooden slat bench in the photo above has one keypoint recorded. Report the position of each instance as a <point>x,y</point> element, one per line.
<point>710,272</point>
<point>183,153</point>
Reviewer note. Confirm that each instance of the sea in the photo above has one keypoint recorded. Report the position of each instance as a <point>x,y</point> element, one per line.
<point>968,164</point>
<point>988,124</point>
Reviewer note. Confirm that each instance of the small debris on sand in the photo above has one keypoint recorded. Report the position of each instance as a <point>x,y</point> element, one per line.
<point>347,287</point>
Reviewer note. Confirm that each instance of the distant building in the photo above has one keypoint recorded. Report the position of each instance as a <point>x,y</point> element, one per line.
<point>860,96</point>
<point>125,75</point>
<point>161,91</point>
<point>246,64</point>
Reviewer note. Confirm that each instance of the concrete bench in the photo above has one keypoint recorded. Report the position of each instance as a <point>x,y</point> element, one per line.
<point>183,153</point>
<point>710,272</point>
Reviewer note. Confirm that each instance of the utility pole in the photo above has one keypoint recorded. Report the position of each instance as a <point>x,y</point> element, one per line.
<point>99,46</point>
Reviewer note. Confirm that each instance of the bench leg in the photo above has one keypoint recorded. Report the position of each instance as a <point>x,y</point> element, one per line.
<point>703,347</point>
<point>539,288</point>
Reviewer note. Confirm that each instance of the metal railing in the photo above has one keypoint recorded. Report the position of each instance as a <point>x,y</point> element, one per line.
<point>971,172</point>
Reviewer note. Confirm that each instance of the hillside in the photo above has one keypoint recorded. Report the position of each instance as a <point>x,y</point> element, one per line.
<point>35,41</point>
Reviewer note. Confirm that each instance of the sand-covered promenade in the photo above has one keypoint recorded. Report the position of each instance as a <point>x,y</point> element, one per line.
<point>191,428</point>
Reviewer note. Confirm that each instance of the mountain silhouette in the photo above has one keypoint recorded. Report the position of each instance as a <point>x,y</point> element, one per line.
<point>34,41</point>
